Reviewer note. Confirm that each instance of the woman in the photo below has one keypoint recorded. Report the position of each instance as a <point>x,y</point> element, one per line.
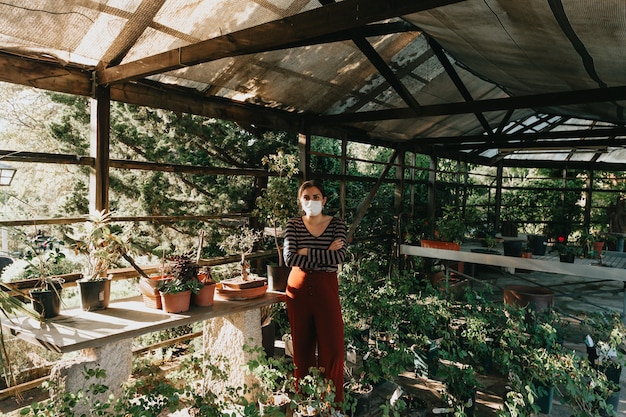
<point>315,245</point>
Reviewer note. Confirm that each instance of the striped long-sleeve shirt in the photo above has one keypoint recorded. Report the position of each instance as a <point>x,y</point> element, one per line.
<point>319,258</point>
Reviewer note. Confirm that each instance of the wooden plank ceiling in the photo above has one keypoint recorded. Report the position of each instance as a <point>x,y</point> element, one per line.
<point>522,83</point>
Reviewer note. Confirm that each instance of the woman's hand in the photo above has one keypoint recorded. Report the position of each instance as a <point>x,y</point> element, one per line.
<point>336,245</point>
<point>303,251</point>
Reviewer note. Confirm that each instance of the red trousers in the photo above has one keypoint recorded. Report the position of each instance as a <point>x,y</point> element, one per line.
<point>316,322</point>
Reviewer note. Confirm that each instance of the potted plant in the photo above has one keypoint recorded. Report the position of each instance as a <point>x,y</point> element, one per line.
<point>205,296</point>
<point>242,243</point>
<point>101,247</point>
<point>315,395</point>
<point>275,381</point>
<point>460,387</point>
<point>41,261</point>
<point>149,285</point>
<point>605,342</point>
<point>451,226</point>
<point>358,393</point>
<point>277,205</point>
<point>567,251</point>
<point>176,292</point>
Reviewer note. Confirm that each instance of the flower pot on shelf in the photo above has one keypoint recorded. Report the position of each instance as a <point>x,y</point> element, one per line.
<point>538,244</point>
<point>176,302</point>
<point>526,254</point>
<point>612,401</point>
<point>512,248</point>
<point>598,247</point>
<point>47,300</point>
<point>361,394</point>
<point>94,294</point>
<point>436,244</point>
<point>149,292</point>
<point>567,258</point>
<point>277,277</point>
<point>204,297</point>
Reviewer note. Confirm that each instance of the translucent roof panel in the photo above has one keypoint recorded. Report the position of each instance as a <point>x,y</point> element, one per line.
<point>390,73</point>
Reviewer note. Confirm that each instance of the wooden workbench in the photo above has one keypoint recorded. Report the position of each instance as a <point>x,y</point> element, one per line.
<point>104,338</point>
<point>581,267</point>
<point>76,329</point>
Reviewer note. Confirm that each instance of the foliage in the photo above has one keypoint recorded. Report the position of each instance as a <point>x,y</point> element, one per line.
<point>315,393</point>
<point>100,244</point>
<point>279,201</point>
<point>42,257</point>
<point>275,375</point>
<point>608,333</point>
<point>563,247</point>
<point>451,226</point>
<point>241,243</point>
<point>177,285</point>
<point>461,385</point>
<point>184,268</point>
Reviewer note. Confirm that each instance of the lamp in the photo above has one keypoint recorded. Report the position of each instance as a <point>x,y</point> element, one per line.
<point>7,173</point>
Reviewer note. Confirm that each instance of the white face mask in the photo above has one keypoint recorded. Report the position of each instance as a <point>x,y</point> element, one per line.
<point>311,207</point>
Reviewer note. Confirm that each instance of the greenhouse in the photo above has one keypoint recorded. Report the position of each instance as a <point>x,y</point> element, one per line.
<point>474,151</point>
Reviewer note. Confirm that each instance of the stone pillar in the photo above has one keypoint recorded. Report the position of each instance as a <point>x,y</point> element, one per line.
<point>223,343</point>
<point>114,358</point>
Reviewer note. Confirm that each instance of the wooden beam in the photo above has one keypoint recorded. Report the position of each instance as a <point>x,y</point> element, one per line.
<point>46,158</point>
<point>458,83</point>
<point>608,137</point>
<point>345,15</point>
<point>50,158</point>
<point>154,219</point>
<point>537,101</point>
<point>367,201</point>
<point>189,101</point>
<point>186,169</point>
<point>384,70</point>
<point>45,74</point>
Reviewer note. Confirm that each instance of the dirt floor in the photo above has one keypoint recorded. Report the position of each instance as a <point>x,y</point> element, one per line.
<point>573,295</point>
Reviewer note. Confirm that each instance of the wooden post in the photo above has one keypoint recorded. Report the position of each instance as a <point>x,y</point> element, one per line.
<point>304,146</point>
<point>344,172</point>
<point>99,149</point>
<point>432,185</point>
<point>498,198</point>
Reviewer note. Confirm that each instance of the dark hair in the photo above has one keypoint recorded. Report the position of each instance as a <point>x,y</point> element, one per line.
<point>309,184</point>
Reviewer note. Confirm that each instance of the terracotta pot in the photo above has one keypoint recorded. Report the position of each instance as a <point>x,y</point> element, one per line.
<point>598,246</point>
<point>205,296</point>
<point>538,299</point>
<point>149,291</point>
<point>177,302</point>
<point>436,244</point>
